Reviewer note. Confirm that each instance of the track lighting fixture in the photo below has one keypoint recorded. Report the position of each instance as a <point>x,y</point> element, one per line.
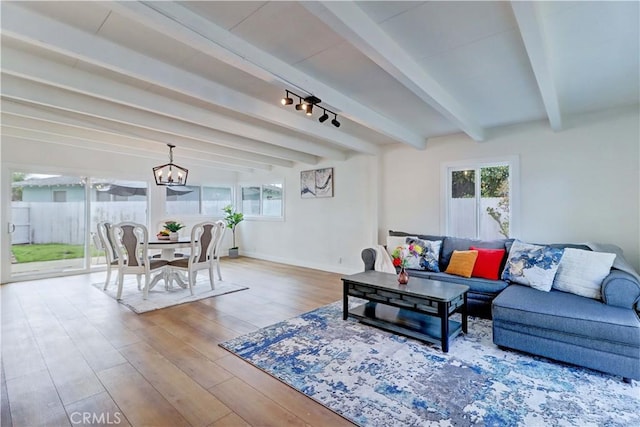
<point>306,105</point>
<point>287,100</point>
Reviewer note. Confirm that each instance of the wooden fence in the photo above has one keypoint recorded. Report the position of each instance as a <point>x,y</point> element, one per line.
<point>50,222</point>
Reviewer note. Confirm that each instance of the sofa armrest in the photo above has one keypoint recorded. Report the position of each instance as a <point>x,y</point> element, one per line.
<point>369,258</point>
<point>621,289</point>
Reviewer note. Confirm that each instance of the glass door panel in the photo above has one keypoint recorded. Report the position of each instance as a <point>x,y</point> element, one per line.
<point>48,214</point>
<point>115,201</point>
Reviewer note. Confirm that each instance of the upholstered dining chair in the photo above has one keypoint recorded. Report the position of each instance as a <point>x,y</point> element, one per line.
<point>131,244</point>
<point>111,258</point>
<point>204,238</point>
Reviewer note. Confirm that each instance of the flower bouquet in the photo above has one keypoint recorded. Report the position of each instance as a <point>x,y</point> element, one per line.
<point>406,256</point>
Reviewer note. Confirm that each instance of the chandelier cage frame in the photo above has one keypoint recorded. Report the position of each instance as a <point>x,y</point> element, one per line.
<point>170,174</point>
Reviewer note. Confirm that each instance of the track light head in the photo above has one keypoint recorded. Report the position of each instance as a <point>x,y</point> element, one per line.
<point>287,100</point>
<point>335,121</point>
<point>309,109</point>
<point>323,118</point>
<point>300,106</point>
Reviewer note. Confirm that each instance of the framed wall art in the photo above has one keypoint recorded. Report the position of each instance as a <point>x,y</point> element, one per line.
<point>316,183</point>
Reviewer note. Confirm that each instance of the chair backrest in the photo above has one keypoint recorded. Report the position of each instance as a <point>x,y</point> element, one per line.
<point>222,229</point>
<point>131,242</point>
<point>202,241</point>
<point>104,234</point>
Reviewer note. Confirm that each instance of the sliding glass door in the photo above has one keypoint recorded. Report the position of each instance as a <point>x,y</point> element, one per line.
<point>54,218</point>
<point>48,222</point>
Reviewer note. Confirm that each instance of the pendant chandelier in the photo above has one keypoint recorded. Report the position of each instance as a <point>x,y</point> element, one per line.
<point>170,174</point>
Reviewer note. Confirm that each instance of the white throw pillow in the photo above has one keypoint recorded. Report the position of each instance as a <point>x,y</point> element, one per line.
<point>395,241</point>
<point>581,272</point>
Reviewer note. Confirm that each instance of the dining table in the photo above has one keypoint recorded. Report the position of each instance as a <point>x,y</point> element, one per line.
<point>168,247</point>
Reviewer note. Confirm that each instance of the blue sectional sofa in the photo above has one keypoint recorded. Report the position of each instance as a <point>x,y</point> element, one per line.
<point>599,334</point>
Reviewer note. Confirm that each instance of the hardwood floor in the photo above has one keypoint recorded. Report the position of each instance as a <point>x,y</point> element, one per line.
<point>71,355</point>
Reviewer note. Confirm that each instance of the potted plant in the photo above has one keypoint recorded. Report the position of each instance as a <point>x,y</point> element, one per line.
<point>173,228</point>
<point>233,219</point>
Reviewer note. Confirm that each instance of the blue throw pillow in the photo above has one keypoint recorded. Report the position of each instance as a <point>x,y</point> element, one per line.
<point>532,265</point>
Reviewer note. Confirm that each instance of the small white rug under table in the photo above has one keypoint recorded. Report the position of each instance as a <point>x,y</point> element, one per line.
<point>159,297</point>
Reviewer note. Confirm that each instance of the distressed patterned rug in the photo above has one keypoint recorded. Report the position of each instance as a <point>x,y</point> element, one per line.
<point>375,378</point>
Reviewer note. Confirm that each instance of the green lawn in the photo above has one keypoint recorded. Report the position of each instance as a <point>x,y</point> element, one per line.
<point>49,252</point>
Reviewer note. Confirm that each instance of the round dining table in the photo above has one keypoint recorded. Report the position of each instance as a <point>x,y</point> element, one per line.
<point>168,247</point>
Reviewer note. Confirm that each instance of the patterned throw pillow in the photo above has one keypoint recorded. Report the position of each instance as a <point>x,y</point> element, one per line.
<point>532,265</point>
<point>430,256</point>
<point>395,241</point>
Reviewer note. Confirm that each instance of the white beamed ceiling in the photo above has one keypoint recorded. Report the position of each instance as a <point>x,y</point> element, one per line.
<point>208,76</point>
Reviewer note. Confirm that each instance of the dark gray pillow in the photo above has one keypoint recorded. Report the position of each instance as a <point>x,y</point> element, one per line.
<point>451,244</point>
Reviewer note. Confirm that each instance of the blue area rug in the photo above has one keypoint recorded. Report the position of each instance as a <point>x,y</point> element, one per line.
<point>375,378</point>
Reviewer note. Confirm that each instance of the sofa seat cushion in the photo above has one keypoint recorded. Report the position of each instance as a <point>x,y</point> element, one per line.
<point>566,316</point>
<point>475,284</point>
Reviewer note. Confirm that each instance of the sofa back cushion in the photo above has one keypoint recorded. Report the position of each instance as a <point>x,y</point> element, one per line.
<point>451,244</point>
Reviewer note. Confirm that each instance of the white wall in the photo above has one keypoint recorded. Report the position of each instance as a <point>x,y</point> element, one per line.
<point>323,233</point>
<point>577,185</point>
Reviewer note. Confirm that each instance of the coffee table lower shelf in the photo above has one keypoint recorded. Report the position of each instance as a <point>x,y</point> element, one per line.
<point>422,327</point>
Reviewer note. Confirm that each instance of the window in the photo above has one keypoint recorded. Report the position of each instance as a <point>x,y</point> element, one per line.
<point>250,200</point>
<point>479,200</point>
<point>183,200</point>
<point>214,199</point>
<point>264,200</point>
<point>196,200</point>
<point>272,200</point>
<point>59,196</point>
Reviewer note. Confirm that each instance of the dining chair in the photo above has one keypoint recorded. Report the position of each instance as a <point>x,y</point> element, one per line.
<point>204,238</point>
<point>111,258</point>
<point>222,226</point>
<point>131,243</point>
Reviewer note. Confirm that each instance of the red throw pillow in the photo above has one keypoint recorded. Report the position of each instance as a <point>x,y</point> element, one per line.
<point>488,263</point>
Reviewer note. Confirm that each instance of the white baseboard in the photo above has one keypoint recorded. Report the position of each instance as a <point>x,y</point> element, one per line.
<point>334,268</point>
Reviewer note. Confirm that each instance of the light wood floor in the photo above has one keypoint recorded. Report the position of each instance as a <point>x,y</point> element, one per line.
<point>69,351</point>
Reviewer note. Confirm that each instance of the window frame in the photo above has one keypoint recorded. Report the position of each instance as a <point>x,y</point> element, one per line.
<point>261,216</point>
<point>201,201</point>
<point>514,189</point>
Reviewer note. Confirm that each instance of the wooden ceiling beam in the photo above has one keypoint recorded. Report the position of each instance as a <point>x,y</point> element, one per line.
<point>353,24</point>
<point>533,36</point>
<point>178,22</point>
<point>29,27</point>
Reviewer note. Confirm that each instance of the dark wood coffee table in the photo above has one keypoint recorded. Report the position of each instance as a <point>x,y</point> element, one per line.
<point>420,309</point>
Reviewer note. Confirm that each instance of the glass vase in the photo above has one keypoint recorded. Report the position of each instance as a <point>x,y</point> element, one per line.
<point>403,276</point>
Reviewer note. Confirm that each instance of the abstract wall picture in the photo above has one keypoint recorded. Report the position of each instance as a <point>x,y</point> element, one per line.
<point>316,183</point>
